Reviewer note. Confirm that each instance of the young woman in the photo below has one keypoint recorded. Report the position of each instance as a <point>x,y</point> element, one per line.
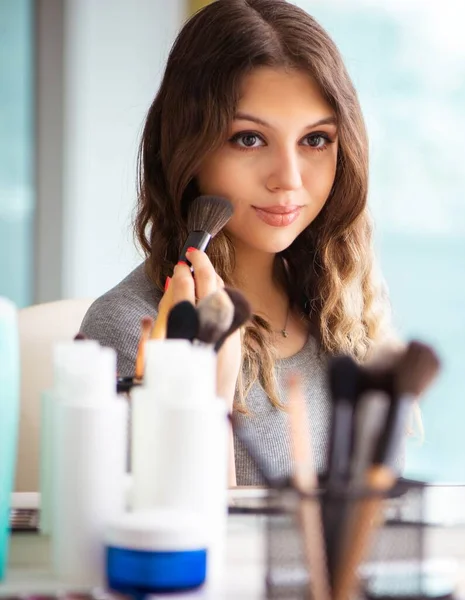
<point>256,106</point>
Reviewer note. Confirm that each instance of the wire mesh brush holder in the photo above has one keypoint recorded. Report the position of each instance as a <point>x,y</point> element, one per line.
<point>394,564</point>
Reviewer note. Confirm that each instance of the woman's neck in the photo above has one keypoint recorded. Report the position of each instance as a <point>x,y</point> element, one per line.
<point>255,276</point>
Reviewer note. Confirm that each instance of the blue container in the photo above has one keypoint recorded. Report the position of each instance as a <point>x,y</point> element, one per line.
<point>9,416</point>
<point>162,550</point>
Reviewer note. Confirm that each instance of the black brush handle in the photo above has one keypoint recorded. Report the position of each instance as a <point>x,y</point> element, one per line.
<point>341,440</point>
<point>344,375</point>
<point>195,239</point>
<point>224,337</point>
<point>389,443</point>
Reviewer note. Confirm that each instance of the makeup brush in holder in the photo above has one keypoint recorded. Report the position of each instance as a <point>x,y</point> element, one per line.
<point>242,314</point>
<point>343,375</point>
<point>410,377</point>
<point>216,314</point>
<point>183,322</point>
<point>306,481</point>
<point>206,217</point>
<point>146,328</point>
<point>212,321</point>
<point>362,475</point>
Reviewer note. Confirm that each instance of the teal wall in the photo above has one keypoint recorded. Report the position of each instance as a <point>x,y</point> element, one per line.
<point>408,65</point>
<point>16,150</point>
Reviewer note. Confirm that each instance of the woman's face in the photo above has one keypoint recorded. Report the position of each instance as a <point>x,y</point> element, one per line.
<point>278,164</point>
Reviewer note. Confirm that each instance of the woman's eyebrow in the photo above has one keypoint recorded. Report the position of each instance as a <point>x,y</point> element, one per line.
<point>330,120</point>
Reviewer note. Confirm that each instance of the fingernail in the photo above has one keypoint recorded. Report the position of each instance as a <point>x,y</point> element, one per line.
<point>191,249</point>
<point>182,262</point>
<point>167,283</point>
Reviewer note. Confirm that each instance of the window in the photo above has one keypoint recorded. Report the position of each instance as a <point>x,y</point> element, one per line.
<point>407,60</point>
<point>16,150</point>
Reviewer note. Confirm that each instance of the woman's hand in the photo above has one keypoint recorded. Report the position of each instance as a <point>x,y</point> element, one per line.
<point>184,286</point>
<point>204,282</point>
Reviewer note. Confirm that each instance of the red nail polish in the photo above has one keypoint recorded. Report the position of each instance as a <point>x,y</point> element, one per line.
<point>191,249</point>
<point>167,283</point>
<point>182,262</point>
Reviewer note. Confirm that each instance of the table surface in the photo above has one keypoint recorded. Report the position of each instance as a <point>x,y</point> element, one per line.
<point>29,570</point>
<point>244,576</point>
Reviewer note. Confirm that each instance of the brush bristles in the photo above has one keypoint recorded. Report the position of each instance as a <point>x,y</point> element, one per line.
<point>242,314</point>
<point>209,213</point>
<point>416,370</point>
<point>183,322</point>
<point>216,313</point>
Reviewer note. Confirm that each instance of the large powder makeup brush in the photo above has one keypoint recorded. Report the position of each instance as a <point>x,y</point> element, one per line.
<point>411,376</point>
<point>146,327</point>
<point>242,314</point>
<point>207,216</point>
<point>215,313</point>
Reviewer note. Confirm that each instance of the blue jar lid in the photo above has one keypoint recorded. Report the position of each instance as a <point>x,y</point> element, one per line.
<point>157,550</point>
<point>141,571</point>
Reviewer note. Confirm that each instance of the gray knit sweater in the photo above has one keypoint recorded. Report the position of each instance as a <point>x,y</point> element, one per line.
<point>114,320</point>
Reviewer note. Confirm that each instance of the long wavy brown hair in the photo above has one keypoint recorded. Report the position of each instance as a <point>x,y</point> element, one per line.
<point>330,264</point>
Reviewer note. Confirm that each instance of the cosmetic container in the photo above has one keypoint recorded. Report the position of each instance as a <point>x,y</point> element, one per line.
<point>64,353</point>
<point>89,463</point>
<point>162,550</point>
<point>9,417</point>
<point>180,440</point>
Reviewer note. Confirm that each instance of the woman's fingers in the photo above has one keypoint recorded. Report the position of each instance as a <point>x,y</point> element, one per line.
<point>206,279</point>
<point>182,284</point>
<point>185,286</point>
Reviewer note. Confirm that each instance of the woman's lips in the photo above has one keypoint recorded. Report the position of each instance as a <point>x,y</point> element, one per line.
<point>278,216</point>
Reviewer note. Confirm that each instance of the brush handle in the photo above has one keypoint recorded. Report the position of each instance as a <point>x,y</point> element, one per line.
<point>314,546</point>
<point>219,344</point>
<point>341,440</point>
<point>140,357</point>
<point>338,470</point>
<point>363,521</point>
<point>159,327</point>
<point>306,479</point>
<point>195,239</point>
<point>394,431</point>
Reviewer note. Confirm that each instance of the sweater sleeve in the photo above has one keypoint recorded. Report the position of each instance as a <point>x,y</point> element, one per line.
<point>114,320</point>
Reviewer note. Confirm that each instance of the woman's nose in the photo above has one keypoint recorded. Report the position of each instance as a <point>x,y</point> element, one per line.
<point>285,171</point>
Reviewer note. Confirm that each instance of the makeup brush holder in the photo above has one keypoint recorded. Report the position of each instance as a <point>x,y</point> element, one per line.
<point>395,564</point>
<point>401,565</point>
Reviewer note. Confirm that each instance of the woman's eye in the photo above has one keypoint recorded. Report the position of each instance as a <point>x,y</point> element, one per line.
<point>247,140</point>
<point>317,141</point>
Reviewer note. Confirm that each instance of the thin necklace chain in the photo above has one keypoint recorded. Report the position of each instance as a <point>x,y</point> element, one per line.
<point>284,332</point>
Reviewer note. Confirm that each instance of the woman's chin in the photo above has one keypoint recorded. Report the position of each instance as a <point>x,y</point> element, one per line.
<point>272,245</point>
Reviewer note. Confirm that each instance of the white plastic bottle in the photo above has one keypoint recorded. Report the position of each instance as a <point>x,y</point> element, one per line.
<point>180,440</point>
<point>64,353</point>
<point>89,464</point>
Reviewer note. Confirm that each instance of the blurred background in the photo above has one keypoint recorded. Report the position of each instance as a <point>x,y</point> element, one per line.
<point>76,80</point>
